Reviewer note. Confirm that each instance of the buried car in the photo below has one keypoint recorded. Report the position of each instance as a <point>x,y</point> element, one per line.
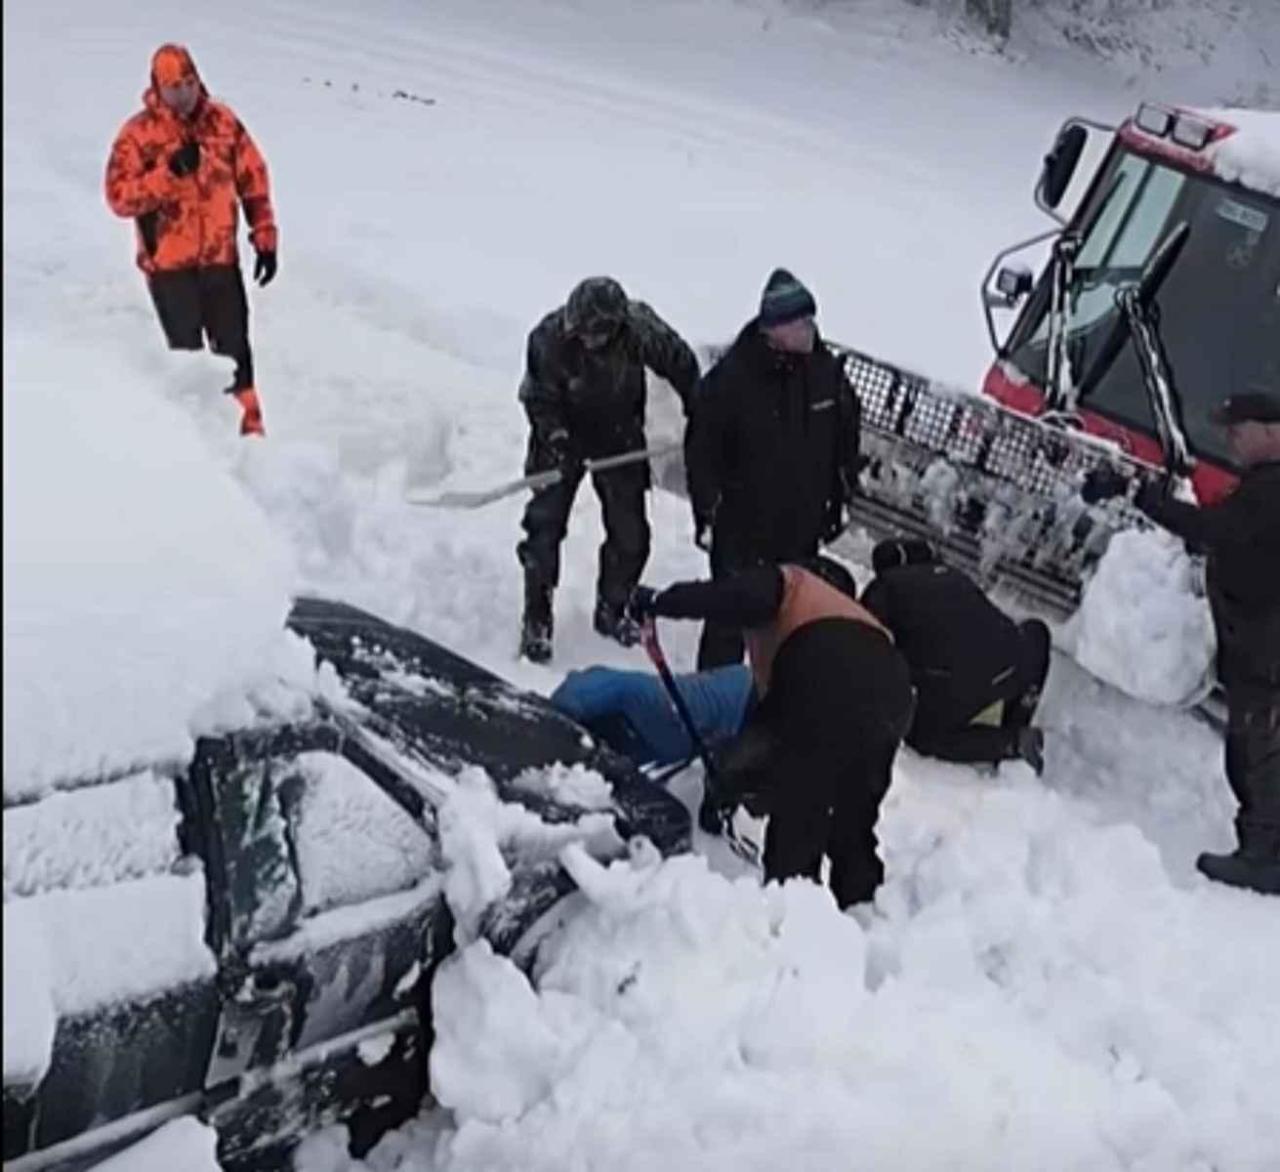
<point>250,936</point>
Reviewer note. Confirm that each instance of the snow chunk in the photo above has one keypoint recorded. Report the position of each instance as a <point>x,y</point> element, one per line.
<point>374,1050</point>
<point>110,944</point>
<point>1140,627</point>
<point>184,1143</point>
<point>29,1018</point>
<point>1250,156</point>
<point>353,841</point>
<point>91,837</point>
<point>139,579</point>
<point>569,785</point>
<point>475,825</point>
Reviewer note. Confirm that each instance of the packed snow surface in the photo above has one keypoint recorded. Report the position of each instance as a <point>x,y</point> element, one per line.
<point>1043,982</point>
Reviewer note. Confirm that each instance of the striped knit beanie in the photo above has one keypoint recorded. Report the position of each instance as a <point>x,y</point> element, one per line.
<point>784,300</point>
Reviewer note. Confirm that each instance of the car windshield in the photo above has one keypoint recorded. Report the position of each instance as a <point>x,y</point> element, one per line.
<point>1219,308</point>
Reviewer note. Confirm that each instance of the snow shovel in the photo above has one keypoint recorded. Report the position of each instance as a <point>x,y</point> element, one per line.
<point>539,480</point>
<point>740,846</point>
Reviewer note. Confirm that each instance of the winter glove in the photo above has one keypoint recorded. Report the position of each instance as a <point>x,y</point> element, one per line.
<point>560,449</point>
<point>640,605</point>
<point>264,268</point>
<point>1153,493</point>
<point>1103,483</point>
<point>186,159</point>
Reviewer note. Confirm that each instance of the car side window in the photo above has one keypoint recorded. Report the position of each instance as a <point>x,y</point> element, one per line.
<point>351,840</point>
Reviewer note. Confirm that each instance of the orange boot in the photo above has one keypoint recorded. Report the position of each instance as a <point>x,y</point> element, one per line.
<point>251,420</point>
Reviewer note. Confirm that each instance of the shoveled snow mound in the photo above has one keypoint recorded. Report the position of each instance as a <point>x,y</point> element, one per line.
<point>1004,1008</point>
<point>184,1143</point>
<point>140,581</point>
<point>1140,626</point>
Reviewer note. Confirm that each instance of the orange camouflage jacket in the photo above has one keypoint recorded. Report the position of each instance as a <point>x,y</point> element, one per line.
<point>190,220</point>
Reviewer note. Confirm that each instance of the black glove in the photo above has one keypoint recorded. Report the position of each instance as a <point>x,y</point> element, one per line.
<point>185,159</point>
<point>264,268</point>
<point>559,447</point>
<point>640,605</point>
<point>1153,493</point>
<point>1103,483</point>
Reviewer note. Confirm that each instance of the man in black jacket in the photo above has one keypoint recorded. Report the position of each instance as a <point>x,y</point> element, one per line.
<point>834,701</point>
<point>771,448</point>
<point>584,392</point>
<point>1241,537</point>
<point>978,675</point>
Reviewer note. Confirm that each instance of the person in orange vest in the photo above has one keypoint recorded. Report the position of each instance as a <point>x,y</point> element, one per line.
<point>178,169</point>
<point>834,702</point>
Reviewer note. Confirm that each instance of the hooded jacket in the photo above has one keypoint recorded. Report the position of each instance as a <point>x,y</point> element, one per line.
<point>188,221</point>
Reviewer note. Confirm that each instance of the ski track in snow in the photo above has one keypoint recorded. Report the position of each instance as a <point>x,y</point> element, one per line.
<point>1045,982</point>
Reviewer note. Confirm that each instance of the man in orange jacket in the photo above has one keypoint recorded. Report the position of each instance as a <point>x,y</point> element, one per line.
<point>835,700</point>
<point>178,168</point>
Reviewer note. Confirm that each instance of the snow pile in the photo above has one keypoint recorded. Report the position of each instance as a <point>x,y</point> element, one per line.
<point>91,837</point>
<point>1250,156</point>
<point>139,580</point>
<point>1140,626</point>
<point>351,839</point>
<point>475,828</point>
<point>184,1143</point>
<point>682,1020</point>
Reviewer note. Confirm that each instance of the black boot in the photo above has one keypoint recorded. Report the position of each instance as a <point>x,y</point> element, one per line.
<point>614,623</point>
<point>536,627</point>
<point>1254,864</point>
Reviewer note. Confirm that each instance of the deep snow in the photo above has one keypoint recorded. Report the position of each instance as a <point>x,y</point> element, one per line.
<point>1043,982</point>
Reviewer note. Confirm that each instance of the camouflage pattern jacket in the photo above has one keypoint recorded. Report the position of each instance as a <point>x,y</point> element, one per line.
<point>598,396</point>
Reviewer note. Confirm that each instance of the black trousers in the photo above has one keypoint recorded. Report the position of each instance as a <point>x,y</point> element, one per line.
<point>198,302</point>
<point>720,644</point>
<point>625,549</point>
<point>1253,755</point>
<point>839,702</point>
<point>942,726</point>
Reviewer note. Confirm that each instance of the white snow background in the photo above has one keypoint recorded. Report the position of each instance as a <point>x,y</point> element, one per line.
<point>1043,982</point>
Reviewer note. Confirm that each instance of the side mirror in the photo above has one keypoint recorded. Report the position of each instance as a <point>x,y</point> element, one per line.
<point>1060,165</point>
<point>1012,285</point>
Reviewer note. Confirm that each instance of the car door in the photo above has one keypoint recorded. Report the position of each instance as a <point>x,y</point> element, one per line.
<point>330,920</point>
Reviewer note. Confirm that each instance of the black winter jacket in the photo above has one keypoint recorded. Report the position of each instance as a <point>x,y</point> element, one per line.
<point>598,396</point>
<point>1241,536</point>
<point>771,449</point>
<point>962,649</point>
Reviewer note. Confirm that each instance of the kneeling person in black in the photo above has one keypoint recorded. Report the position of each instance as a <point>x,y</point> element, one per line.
<point>967,658</point>
<point>834,703</point>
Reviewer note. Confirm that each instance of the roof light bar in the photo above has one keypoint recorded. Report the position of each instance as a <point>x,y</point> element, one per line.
<point>1153,119</point>
<point>1194,133</point>
<point>1185,129</point>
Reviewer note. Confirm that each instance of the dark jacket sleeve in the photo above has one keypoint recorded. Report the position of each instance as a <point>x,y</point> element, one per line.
<point>1234,521</point>
<point>850,437</point>
<point>876,598</point>
<point>704,447</point>
<point>747,599</point>
<point>540,390</point>
<point>665,352</point>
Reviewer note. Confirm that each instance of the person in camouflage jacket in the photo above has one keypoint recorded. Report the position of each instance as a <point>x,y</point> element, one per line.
<point>179,169</point>
<point>584,393</point>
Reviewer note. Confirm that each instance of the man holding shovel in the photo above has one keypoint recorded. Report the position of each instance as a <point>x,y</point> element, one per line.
<point>584,392</point>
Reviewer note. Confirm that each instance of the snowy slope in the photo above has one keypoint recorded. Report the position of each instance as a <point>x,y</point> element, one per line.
<point>1044,982</point>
